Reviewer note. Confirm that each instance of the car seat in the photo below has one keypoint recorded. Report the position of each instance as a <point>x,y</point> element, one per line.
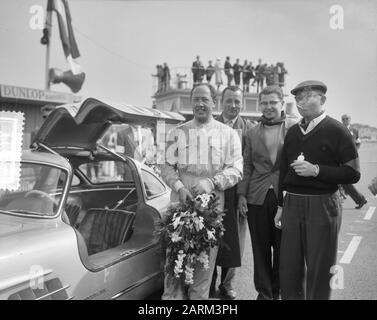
<point>103,229</point>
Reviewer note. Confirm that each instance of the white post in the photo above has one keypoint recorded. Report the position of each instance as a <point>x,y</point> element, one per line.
<point>47,65</point>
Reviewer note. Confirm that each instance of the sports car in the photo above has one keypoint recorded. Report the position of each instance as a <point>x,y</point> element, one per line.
<point>81,224</point>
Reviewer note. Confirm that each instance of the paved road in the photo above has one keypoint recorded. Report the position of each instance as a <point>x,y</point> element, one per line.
<point>357,250</point>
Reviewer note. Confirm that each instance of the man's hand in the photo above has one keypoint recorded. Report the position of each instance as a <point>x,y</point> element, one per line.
<point>242,205</point>
<point>184,194</point>
<point>203,186</point>
<point>304,168</point>
<point>373,186</point>
<point>277,218</point>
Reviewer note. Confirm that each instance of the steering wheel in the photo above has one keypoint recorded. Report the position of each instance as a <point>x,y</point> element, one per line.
<point>42,194</point>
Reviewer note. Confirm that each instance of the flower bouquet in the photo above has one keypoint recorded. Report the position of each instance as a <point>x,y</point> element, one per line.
<point>188,232</point>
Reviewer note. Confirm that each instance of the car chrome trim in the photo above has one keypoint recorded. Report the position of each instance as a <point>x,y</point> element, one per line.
<point>127,252</point>
<point>112,152</point>
<point>102,189</point>
<point>94,190</point>
<point>47,148</point>
<point>135,285</point>
<point>53,292</point>
<point>18,280</point>
<point>95,268</point>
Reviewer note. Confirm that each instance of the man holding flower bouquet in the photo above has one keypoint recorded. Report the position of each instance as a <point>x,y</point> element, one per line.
<point>203,156</point>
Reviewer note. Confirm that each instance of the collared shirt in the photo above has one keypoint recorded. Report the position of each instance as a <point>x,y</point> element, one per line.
<point>195,150</point>
<point>350,129</point>
<point>229,122</point>
<point>312,124</point>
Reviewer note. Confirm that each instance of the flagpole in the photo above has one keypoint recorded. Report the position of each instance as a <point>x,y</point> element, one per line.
<point>47,63</point>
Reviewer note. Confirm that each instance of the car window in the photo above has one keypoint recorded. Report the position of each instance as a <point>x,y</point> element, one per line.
<point>152,185</point>
<point>106,171</point>
<point>135,141</point>
<point>38,191</point>
<point>75,181</point>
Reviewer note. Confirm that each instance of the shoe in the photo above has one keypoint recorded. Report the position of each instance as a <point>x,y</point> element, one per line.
<point>360,205</point>
<point>212,293</point>
<point>229,294</point>
<point>276,297</point>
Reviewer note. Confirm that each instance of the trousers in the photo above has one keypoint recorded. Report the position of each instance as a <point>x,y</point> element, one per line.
<point>265,238</point>
<point>310,227</point>
<point>175,290</point>
<point>356,196</point>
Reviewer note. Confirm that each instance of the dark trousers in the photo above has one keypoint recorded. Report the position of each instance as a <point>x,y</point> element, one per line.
<point>226,279</point>
<point>229,76</point>
<point>265,238</point>
<point>237,78</point>
<point>353,193</point>
<point>310,227</point>
<point>195,76</point>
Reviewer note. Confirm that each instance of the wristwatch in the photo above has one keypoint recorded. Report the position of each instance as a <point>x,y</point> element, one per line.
<point>316,172</point>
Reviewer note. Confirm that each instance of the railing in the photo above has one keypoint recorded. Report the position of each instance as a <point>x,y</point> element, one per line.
<point>182,78</point>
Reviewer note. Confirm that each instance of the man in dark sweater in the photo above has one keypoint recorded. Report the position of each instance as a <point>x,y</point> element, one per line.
<point>317,156</point>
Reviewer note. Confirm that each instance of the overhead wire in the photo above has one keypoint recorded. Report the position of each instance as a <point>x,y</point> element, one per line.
<point>99,45</point>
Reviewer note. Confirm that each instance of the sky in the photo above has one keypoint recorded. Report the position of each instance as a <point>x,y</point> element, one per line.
<point>121,42</point>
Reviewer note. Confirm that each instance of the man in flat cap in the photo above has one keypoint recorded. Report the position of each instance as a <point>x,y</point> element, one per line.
<point>317,156</point>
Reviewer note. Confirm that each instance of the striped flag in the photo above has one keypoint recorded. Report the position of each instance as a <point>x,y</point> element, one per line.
<point>67,36</point>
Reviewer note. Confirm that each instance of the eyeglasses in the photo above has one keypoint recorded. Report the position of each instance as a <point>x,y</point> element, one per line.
<point>272,103</point>
<point>306,95</point>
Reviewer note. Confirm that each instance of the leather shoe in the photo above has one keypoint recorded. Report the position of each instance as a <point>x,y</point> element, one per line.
<point>360,205</point>
<point>212,292</point>
<point>227,293</point>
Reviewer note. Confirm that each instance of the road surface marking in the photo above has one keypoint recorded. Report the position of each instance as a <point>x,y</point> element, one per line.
<point>351,249</point>
<point>369,213</point>
<point>351,234</point>
<point>359,221</point>
<point>340,251</point>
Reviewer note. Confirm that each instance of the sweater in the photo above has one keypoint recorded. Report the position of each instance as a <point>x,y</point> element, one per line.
<point>330,146</point>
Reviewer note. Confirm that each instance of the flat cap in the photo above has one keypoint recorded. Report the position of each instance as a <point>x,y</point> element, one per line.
<point>309,83</point>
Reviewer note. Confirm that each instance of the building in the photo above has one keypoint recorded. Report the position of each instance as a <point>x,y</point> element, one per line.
<point>177,98</point>
<point>29,101</point>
